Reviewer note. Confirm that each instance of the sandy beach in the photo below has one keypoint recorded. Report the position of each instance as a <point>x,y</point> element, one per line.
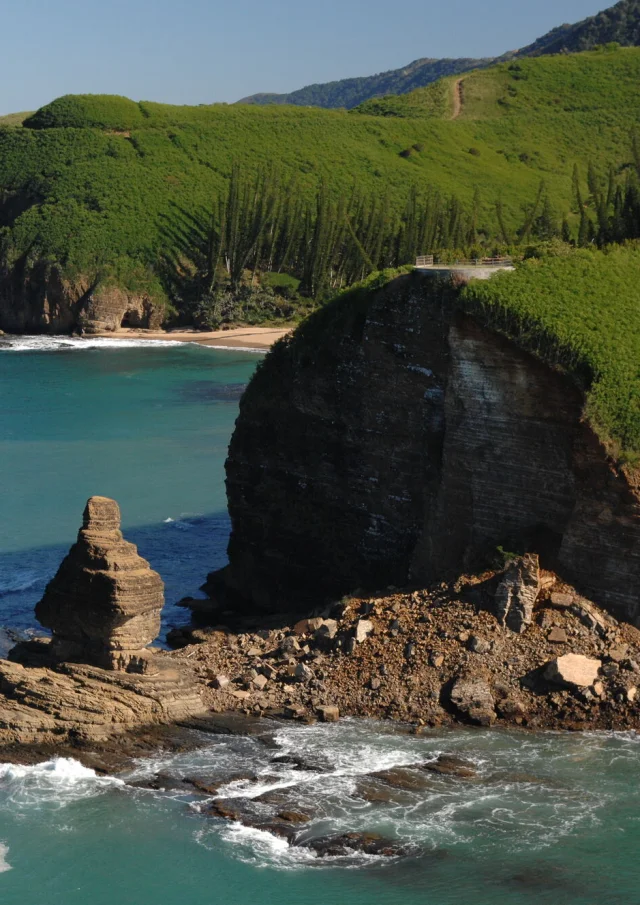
<point>234,338</point>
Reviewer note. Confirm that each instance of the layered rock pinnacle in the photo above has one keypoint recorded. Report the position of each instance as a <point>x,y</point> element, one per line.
<point>104,604</point>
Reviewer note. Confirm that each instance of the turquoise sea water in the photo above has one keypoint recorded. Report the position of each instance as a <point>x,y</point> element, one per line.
<point>551,818</point>
<point>148,426</point>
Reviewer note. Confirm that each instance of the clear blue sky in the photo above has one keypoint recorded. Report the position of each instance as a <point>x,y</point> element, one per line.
<point>200,51</point>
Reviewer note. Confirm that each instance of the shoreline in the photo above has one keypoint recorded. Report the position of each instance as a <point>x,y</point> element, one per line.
<point>258,339</point>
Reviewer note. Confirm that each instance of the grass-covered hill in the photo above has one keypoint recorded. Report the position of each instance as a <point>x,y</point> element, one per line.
<point>109,189</point>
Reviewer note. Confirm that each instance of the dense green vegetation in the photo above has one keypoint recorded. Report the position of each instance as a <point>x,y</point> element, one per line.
<point>107,189</point>
<point>350,93</point>
<point>580,312</point>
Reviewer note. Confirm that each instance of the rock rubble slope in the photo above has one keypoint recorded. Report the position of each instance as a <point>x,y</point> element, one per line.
<point>434,656</point>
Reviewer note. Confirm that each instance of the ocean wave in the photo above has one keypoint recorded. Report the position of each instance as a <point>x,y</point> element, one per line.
<point>56,782</point>
<point>15,581</point>
<point>233,348</point>
<point>76,343</point>
<point>40,343</point>
<point>4,864</point>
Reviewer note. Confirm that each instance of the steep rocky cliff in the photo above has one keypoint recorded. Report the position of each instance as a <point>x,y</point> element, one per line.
<point>45,302</point>
<point>394,439</point>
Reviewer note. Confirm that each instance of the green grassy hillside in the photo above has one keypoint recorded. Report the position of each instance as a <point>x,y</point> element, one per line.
<point>108,188</point>
<point>13,119</point>
<point>581,312</point>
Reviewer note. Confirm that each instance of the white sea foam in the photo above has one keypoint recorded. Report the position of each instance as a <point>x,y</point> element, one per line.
<point>235,348</point>
<point>55,782</point>
<point>4,864</point>
<point>75,343</point>
<point>528,794</point>
<point>82,343</point>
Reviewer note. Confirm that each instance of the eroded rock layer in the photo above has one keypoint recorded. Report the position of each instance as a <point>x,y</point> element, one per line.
<point>79,702</point>
<point>104,604</point>
<point>44,302</point>
<point>392,440</point>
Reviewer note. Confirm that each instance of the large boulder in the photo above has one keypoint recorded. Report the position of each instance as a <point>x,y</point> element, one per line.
<point>104,604</point>
<point>517,593</point>
<point>471,696</point>
<point>573,671</point>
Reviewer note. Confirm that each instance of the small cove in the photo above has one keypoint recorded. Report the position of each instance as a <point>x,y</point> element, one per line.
<point>551,818</point>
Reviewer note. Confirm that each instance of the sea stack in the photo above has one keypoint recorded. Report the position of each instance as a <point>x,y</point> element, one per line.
<point>104,604</point>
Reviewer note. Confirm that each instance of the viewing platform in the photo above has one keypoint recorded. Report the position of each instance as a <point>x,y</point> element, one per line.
<point>464,268</point>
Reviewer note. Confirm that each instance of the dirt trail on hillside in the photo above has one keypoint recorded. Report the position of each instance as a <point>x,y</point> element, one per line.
<point>458,98</point>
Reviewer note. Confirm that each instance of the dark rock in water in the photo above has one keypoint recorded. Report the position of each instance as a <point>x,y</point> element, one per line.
<point>348,843</point>
<point>213,786</point>
<point>451,765</point>
<point>517,593</point>
<point>161,782</point>
<point>300,763</point>
<point>295,817</point>
<point>282,830</point>
<point>226,810</point>
<point>104,604</point>
<point>376,791</point>
<point>403,778</point>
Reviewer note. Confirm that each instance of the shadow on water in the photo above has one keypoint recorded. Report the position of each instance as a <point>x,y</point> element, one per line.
<point>182,551</point>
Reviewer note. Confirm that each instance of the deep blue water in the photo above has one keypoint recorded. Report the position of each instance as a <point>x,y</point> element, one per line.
<point>551,818</point>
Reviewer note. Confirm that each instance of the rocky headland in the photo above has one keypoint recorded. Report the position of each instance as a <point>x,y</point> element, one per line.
<point>394,439</point>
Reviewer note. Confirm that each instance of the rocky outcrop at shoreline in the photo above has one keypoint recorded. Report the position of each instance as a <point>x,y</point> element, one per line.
<point>394,440</point>
<point>97,676</point>
<point>45,302</point>
<point>104,604</point>
<point>432,656</point>
<point>515,647</point>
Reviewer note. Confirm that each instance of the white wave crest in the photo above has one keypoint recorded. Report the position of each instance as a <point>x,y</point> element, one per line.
<point>76,343</point>
<point>4,864</point>
<point>56,782</point>
<point>82,343</point>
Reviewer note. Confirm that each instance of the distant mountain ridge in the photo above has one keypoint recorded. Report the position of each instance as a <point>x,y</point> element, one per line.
<point>620,23</point>
<point>351,93</point>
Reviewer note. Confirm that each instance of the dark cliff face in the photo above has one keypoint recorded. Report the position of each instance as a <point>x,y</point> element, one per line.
<point>44,302</point>
<point>394,440</point>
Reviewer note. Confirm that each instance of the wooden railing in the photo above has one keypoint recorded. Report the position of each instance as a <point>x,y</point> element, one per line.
<point>428,261</point>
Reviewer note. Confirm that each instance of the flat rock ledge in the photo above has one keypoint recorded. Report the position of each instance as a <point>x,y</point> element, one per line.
<point>79,703</point>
